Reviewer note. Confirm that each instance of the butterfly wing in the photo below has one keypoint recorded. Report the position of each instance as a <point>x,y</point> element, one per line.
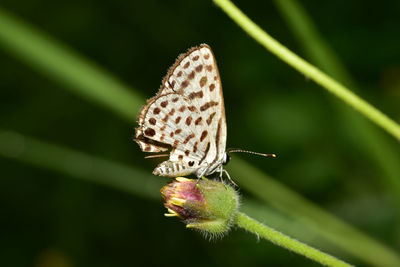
<point>188,115</point>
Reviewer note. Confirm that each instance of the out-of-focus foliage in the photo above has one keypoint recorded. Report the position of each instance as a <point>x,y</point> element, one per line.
<point>49,219</point>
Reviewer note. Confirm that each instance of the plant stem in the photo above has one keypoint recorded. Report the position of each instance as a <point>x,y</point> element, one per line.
<point>323,223</point>
<point>309,70</point>
<point>255,227</point>
<point>368,138</point>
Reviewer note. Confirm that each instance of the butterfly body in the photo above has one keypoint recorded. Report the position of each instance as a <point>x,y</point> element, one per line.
<point>187,117</point>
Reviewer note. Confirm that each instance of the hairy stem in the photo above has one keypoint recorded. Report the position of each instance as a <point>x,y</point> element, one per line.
<point>309,70</point>
<point>278,238</point>
<point>320,221</point>
<point>367,138</point>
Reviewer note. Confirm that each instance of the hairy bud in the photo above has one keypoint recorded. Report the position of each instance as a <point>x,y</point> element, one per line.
<point>206,205</point>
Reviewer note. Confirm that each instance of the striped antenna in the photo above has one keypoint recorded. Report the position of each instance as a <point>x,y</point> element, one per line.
<point>250,152</point>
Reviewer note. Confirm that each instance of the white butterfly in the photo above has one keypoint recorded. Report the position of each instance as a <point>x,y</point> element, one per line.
<point>187,116</point>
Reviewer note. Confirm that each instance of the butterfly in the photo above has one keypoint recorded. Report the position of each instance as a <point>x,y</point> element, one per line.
<point>187,117</point>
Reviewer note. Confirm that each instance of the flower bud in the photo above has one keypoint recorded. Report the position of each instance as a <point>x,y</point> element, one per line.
<point>205,205</point>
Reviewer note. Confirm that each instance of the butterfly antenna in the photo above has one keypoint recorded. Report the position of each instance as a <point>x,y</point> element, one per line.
<point>250,152</point>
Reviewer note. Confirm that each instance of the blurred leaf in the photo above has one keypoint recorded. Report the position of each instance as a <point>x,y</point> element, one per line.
<point>60,63</point>
<point>77,164</point>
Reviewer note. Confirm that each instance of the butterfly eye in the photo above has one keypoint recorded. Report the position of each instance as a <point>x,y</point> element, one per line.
<point>227,159</point>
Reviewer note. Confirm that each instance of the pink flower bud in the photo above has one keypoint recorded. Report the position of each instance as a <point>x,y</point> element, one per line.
<point>206,205</point>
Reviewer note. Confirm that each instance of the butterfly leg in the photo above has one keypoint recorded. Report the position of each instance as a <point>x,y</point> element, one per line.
<point>221,171</point>
<point>227,175</point>
<point>201,175</point>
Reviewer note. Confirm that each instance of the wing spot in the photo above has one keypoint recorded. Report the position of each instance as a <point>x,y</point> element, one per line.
<point>152,121</point>
<point>178,119</point>
<point>192,108</point>
<point>165,119</point>
<point>178,131</point>
<point>190,136</point>
<point>195,58</point>
<point>171,134</point>
<point>150,132</point>
<point>198,94</point>
<point>210,118</point>
<point>163,127</point>
<point>212,87</point>
<point>171,112</point>
<point>179,74</point>
<point>209,68</point>
<point>191,163</point>
<point>215,78</point>
<point>199,68</point>
<point>198,120</point>
<point>187,64</point>
<point>191,75</point>
<point>184,84</point>
<point>162,137</point>
<point>206,56</point>
<point>172,84</point>
<point>147,148</point>
<point>175,99</point>
<point>187,153</point>
<point>156,111</point>
<point>208,105</point>
<point>203,135</point>
<point>164,103</point>
<point>203,81</point>
<point>195,147</point>
<point>188,120</point>
<point>176,142</point>
<point>180,157</point>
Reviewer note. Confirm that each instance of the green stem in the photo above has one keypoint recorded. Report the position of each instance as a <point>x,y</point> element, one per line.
<point>368,138</point>
<point>309,70</point>
<point>320,221</point>
<point>284,241</point>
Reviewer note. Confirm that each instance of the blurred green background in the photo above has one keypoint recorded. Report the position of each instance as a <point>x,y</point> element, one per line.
<point>49,218</point>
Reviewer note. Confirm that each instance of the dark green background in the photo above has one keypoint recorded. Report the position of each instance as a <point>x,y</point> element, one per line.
<point>49,219</point>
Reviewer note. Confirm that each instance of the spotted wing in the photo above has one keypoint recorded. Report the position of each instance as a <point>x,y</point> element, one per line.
<point>188,115</point>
